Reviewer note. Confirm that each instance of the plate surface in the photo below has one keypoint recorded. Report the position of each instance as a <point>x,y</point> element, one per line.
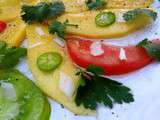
<point>145,84</point>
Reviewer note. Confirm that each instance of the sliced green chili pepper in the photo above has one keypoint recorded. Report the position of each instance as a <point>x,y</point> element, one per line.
<point>49,61</point>
<point>104,19</point>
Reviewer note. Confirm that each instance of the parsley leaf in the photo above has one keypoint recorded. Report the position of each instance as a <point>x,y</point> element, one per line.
<point>95,69</point>
<point>35,13</point>
<point>60,28</point>
<point>56,9</point>
<point>133,14</point>
<point>10,56</point>
<point>41,11</point>
<point>153,49</point>
<point>95,4</point>
<point>96,89</point>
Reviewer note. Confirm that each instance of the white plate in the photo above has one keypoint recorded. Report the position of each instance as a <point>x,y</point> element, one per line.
<point>145,84</point>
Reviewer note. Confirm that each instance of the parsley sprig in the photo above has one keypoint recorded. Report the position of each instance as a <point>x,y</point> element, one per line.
<point>95,4</point>
<point>95,89</point>
<point>60,28</point>
<point>10,56</point>
<point>133,14</point>
<point>41,11</point>
<point>152,49</point>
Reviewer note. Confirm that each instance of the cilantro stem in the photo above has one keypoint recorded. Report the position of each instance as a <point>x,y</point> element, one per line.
<point>72,25</point>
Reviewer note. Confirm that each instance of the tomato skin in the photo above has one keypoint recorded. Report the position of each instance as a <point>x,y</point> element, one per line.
<point>79,51</point>
<point>3,26</point>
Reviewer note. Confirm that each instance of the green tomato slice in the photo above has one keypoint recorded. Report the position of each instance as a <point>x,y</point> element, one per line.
<point>49,61</point>
<point>104,19</point>
<point>8,110</point>
<point>29,104</point>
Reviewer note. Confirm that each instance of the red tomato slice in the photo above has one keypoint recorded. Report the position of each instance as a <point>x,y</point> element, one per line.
<point>3,26</point>
<point>109,60</point>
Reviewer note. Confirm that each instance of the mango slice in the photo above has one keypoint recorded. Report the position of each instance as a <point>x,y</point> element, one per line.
<point>31,2</point>
<point>77,6</point>
<point>9,13</point>
<point>88,28</point>
<point>9,9</point>
<point>128,3</point>
<point>14,34</point>
<point>9,3</point>
<point>49,82</point>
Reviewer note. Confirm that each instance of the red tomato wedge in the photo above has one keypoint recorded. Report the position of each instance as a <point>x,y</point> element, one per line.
<point>3,26</point>
<point>110,59</point>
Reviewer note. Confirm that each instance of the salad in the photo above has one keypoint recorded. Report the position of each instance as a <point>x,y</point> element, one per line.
<point>68,54</point>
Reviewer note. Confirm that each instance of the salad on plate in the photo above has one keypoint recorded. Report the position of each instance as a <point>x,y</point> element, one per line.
<point>83,54</point>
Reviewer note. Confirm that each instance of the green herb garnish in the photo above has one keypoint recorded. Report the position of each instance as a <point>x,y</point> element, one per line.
<point>56,9</point>
<point>95,89</point>
<point>60,28</point>
<point>9,56</point>
<point>41,11</point>
<point>133,14</point>
<point>153,49</point>
<point>95,4</point>
<point>95,69</point>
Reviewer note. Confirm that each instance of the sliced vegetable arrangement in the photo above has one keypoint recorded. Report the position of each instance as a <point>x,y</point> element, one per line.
<point>121,21</point>
<point>51,53</point>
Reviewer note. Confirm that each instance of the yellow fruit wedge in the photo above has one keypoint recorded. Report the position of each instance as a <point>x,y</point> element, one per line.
<point>9,3</point>
<point>9,13</point>
<point>31,2</point>
<point>51,82</point>
<point>128,3</point>
<point>14,34</point>
<point>77,6</point>
<point>9,9</point>
<point>88,28</point>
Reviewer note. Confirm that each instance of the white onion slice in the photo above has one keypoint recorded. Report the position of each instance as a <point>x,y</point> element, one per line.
<point>66,85</point>
<point>96,49</point>
<point>40,31</point>
<point>122,54</point>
